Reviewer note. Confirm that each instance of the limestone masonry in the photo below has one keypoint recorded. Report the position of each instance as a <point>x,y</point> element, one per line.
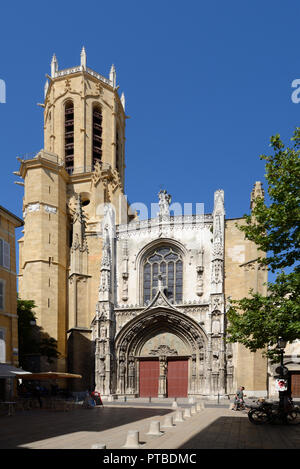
<point>138,307</point>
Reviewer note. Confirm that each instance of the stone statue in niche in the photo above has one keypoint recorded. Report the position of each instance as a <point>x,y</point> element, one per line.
<point>162,367</point>
<point>102,367</point>
<point>122,368</point>
<point>194,365</point>
<point>131,373</point>
<point>103,332</point>
<point>199,289</point>
<point>216,327</point>
<point>215,362</point>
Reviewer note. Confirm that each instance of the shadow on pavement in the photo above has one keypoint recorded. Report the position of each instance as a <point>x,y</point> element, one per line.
<point>35,425</point>
<point>237,432</point>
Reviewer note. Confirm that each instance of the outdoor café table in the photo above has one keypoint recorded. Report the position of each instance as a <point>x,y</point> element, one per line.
<point>10,407</point>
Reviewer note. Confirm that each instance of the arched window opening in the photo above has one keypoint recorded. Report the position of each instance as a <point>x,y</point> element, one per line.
<point>97,135</point>
<point>69,136</point>
<point>168,263</point>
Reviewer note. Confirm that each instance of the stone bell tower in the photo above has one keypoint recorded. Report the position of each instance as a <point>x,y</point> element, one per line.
<point>66,187</point>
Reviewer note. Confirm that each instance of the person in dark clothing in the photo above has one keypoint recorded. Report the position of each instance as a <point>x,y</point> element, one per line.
<point>97,398</point>
<point>238,398</point>
<point>37,394</point>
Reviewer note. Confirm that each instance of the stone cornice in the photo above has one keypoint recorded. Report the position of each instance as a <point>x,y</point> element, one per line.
<point>166,222</point>
<point>46,160</point>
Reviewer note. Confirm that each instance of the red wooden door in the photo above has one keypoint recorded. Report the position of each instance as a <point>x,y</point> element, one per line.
<point>295,384</point>
<point>149,376</point>
<point>177,378</point>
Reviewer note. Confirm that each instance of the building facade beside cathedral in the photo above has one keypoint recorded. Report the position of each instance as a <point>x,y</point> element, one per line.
<point>138,307</point>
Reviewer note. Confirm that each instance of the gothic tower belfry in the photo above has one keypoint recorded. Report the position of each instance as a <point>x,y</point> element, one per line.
<point>66,185</point>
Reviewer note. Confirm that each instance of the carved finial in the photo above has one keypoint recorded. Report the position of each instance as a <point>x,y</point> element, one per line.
<point>113,76</point>
<point>54,66</point>
<point>83,58</point>
<point>123,100</point>
<point>257,192</point>
<point>46,88</point>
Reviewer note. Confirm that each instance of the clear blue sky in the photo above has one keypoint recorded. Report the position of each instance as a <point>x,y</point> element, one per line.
<point>206,85</point>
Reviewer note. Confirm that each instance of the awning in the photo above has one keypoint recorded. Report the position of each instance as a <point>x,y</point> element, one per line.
<point>10,371</point>
<point>48,375</point>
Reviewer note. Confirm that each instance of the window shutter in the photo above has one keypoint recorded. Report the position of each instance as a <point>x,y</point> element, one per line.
<point>6,255</point>
<point>1,298</point>
<point>2,346</point>
<point>1,251</point>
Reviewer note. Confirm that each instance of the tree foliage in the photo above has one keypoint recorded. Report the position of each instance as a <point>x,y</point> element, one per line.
<point>258,321</point>
<point>32,339</point>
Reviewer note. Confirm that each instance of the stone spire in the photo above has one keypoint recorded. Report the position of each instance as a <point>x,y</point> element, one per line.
<point>257,192</point>
<point>113,76</point>
<point>54,66</point>
<point>83,58</point>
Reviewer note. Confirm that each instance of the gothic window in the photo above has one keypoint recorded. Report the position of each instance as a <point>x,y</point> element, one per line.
<point>97,134</point>
<point>69,136</point>
<point>2,295</point>
<point>167,262</point>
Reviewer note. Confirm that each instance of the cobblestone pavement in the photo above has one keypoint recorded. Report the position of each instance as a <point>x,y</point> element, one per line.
<point>213,428</point>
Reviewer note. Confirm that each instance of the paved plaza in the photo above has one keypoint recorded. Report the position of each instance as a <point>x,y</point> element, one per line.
<point>215,427</point>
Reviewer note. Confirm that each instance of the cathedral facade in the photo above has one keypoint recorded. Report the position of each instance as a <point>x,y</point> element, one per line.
<point>138,307</point>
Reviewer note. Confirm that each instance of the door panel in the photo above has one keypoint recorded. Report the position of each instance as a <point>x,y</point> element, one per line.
<point>295,384</point>
<point>177,378</point>
<point>149,376</point>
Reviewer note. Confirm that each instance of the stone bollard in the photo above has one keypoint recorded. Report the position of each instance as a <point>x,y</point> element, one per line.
<point>168,422</point>
<point>154,429</point>
<point>132,440</point>
<point>179,416</point>
<point>174,405</point>
<point>187,412</point>
<point>99,446</point>
<point>193,410</point>
<point>200,406</point>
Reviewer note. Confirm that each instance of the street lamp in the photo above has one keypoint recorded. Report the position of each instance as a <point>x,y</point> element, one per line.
<point>281,344</point>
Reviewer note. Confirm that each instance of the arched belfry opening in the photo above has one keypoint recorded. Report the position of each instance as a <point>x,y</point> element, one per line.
<point>97,134</point>
<point>162,353</point>
<point>69,136</point>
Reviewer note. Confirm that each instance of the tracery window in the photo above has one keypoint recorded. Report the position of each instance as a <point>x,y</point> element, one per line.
<point>167,262</point>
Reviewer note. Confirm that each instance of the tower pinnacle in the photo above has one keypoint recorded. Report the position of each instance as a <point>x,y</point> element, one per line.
<point>113,75</point>
<point>83,58</point>
<point>54,65</point>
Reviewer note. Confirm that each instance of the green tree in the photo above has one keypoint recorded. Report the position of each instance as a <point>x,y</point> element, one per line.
<point>32,339</point>
<point>258,321</point>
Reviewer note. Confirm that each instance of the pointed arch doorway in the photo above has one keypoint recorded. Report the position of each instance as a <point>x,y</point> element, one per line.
<point>161,353</point>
